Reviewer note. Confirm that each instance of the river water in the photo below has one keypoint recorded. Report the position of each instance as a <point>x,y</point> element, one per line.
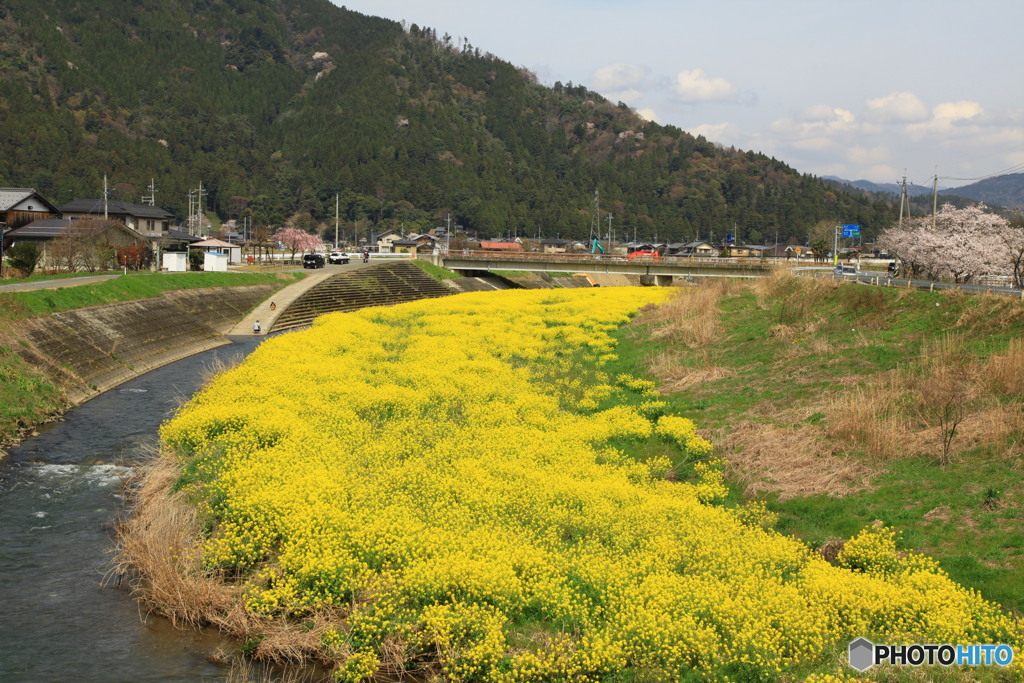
<point>59,494</point>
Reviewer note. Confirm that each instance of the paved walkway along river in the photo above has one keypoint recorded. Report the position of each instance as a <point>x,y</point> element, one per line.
<point>59,494</point>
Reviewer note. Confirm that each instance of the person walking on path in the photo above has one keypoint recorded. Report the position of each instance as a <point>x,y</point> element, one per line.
<point>256,327</point>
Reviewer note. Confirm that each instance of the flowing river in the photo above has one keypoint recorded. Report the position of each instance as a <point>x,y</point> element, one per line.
<point>59,495</point>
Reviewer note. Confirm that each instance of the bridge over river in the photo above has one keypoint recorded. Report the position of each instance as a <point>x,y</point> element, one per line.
<point>652,271</point>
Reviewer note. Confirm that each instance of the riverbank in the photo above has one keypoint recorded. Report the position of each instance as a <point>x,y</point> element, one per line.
<point>830,402</point>
<point>531,511</point>
<point>58,348</point>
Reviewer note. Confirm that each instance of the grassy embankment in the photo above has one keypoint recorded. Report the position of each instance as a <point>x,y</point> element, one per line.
<point>28,395</point>
<point>842,404</point>
<point>436,272</point>
<point>462,527</point>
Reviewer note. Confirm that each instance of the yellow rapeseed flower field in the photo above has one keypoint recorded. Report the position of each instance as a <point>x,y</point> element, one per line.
<point>451,477</point>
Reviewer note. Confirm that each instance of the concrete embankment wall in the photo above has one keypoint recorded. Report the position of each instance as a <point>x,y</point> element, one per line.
<point>91,350</point>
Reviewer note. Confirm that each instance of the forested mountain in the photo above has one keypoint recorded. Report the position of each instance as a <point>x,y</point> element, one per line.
<point>276,105</point>
<point>892,188</point>
<point>1005,190</point>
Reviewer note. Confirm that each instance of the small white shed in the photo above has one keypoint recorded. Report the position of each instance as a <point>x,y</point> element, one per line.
<point>175,261</point>
<point>215,263</point>
<point>233,251</point>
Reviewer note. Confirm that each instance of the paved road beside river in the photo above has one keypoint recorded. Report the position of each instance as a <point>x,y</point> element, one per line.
<point>56,284</point>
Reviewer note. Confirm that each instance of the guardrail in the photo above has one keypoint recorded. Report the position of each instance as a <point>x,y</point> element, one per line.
<point>882,280</point>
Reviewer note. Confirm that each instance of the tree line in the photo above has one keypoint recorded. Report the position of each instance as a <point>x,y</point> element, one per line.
<point>279,110</point>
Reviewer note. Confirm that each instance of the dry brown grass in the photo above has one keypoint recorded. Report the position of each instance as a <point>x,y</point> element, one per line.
<point>158,550</point>
<point>244,671</point>
<point>793,462</point>
<point>946,403</point>
<point>797,296</point>
<point>870,419</point>
<point>286,641</point>
<point>1004,373</point>
<point>689,321</point>
<point>690,317</point>
<point>675,377</point>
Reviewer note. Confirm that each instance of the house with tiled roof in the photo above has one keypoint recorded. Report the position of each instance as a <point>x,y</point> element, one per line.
<point>21,205</point>
<point>67,244</point>
<point>143,218</point>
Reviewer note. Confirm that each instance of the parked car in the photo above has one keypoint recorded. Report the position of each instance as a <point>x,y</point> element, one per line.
<point>338,257</point>
<point>313,261</point>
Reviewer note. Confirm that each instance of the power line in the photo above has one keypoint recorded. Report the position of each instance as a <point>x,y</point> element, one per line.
<point>1012,169</point>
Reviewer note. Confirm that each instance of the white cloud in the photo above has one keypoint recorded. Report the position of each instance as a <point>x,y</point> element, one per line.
<point>716,132</point>
<point>951,111</point>
<point>863,156</point>
<point>897,107</point>
<point>618,76</point>
<point>954,120</point>
<point>628,96</point>
<point>649,115</point>
<point>695,85</point>
<point>819,112</point>
<point>816,121</point>
<point>879,172</point>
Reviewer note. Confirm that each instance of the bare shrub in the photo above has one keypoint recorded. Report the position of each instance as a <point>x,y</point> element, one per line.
<point>946,390</point>
<point>830,550</point>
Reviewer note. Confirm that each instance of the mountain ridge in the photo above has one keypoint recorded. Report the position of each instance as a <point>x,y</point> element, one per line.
<point>1005,191</point>
<point>279,106</point>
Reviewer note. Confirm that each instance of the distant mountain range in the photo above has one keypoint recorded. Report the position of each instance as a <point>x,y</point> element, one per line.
<point>1005,190</point>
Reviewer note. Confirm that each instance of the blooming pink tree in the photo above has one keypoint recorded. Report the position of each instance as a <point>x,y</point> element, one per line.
<point>296,239</point>
<point>1013,243</point>
<point>955,244</point>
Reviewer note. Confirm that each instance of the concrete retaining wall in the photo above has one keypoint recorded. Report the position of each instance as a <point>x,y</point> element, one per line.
<point>103,346</point>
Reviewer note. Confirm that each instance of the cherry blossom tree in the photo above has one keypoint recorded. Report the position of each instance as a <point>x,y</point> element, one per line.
<point>957,244</point>
<point>1013,243</point>
<point>296,240</point>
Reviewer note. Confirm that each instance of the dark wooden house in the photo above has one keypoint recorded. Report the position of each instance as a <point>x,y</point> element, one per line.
<point>21,205</point>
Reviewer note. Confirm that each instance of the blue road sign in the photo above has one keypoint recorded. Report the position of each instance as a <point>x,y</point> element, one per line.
<point>851,231</point>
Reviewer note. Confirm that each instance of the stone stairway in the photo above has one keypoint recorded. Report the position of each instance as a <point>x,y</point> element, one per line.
<point>382,284</point>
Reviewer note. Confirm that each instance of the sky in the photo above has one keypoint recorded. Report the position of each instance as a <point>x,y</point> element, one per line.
<point>864,89</point>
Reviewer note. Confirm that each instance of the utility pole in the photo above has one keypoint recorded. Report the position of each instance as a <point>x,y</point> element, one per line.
<point>935,196</point>
<point>105,217</point>
<point>904,200</point>
<point>609,233</point>
<point>200,205</point>
<point>337,209</point>
<point>151,197</point>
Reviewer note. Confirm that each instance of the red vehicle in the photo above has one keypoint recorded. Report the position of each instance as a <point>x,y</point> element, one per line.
<point>644,255</point>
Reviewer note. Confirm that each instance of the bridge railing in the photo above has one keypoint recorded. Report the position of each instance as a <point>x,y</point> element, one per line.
<point>481,255</point>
